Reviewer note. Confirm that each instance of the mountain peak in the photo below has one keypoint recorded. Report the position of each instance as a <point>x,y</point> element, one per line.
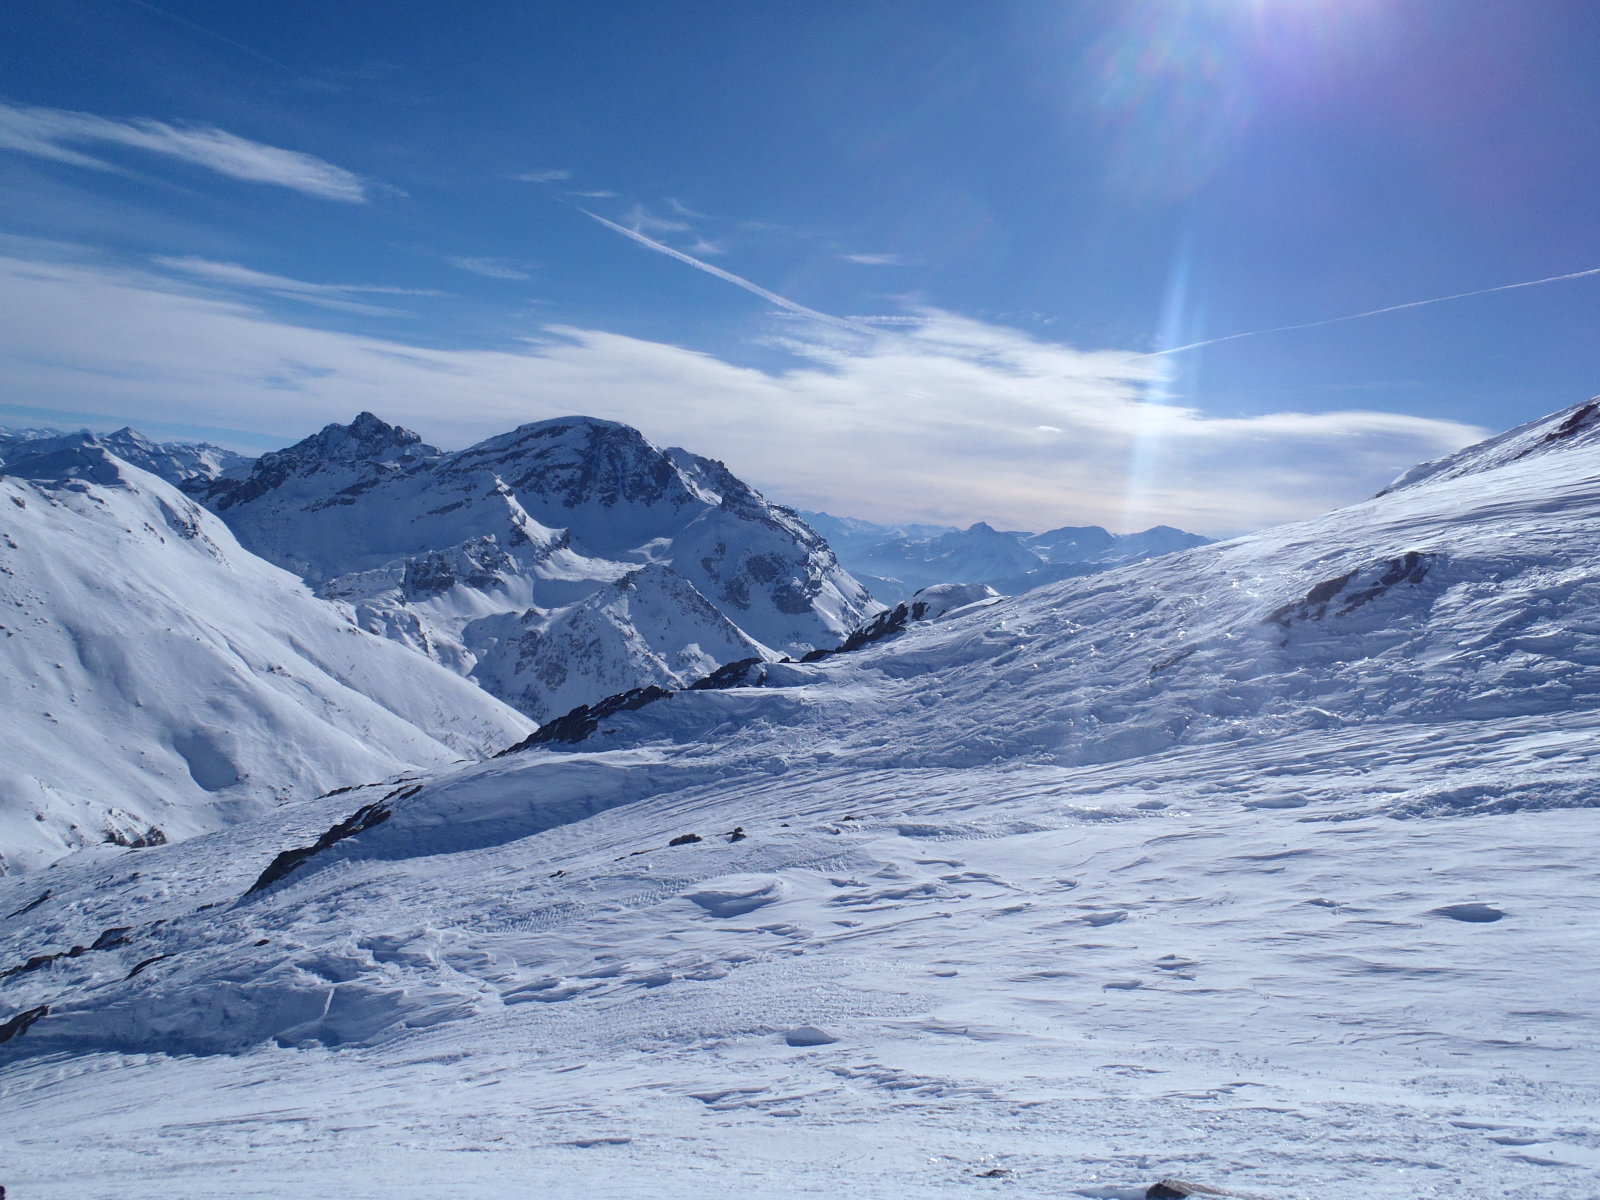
<point>366,437</point>
<point>576,462</point>
<point>367,444</point>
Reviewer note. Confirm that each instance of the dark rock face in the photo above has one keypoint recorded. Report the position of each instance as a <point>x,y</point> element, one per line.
<point>363,819</point>
<point>145,963</point>
<point>585,462</point>
<point>32,904</point>
<point>366,440</point>
<point>585,719</point>
<point>1179,1189</point>
<point>116,936</point>
<point>1584,417</point>
<point>479,563</point>
<point>1477,914</point>
<point>728,675</point>
<point>153,836</point>
<point>885,624</point>
<point>16,1026</point>
<point>1350,591</point>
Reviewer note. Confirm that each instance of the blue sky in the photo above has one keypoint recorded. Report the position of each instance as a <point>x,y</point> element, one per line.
<point>895,260</point>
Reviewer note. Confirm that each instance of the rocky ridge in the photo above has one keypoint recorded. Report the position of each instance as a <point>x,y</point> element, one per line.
<point>556,564</point>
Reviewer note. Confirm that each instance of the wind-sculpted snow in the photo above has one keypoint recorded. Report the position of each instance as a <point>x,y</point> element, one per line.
<point>163,681</point>
<point>555,564</point>
<point>1265,865</point>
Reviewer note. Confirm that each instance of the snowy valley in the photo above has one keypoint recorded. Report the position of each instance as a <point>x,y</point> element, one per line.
<point>1263,864</point>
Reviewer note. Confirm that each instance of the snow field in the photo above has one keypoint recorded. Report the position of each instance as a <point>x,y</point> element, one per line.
<point>1058,982</point>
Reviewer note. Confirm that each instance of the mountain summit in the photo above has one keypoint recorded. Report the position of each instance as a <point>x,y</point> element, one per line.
<point>504,560</point>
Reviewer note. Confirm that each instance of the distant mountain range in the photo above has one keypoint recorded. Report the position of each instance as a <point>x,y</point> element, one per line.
<point>173,461</point>
<point>895,561</point>
<point>173,681</point>
<point>571,559</point>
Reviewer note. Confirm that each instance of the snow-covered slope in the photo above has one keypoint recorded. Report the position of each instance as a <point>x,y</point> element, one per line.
<point>1569,429</point>
<point>895,561</point>
<point>161,681</point>
<point>1264,865</point>
<point>555,564</point>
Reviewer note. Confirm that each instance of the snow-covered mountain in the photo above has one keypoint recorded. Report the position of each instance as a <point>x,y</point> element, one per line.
<point>555,565</point>
<point>897,560</point>
<point>176,462</point>
<point>162,681</point>
<point>1571,429</point>
<point>1265,865</point>
<point>15,435</point>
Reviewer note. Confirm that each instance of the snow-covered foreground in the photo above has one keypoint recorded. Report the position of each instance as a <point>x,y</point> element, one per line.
<point>1267,866</point>
<point>1087,993</point>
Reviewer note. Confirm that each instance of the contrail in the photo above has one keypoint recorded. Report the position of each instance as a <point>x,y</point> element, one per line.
<point>214,35</point>
<point>1504,287</point>
<point>729,276</point>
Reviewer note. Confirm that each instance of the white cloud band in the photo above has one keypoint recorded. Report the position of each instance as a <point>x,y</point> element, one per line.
<point>50,132</point>
<point>949,420</point>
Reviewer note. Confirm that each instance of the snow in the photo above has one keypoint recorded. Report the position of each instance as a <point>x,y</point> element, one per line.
<point>164,681</point>
<point>554,565</point>
<point>1182,870</point>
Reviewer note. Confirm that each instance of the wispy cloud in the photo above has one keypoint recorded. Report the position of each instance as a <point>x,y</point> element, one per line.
<point>876,260</point>
<point>951,420</point>
<point>641,218</point>
<point>782,302</point>
<point>1375,312</point>
<point>50,132</point>
<point>324,295</point>
<point>490,268</point>
<point>554,176</point>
